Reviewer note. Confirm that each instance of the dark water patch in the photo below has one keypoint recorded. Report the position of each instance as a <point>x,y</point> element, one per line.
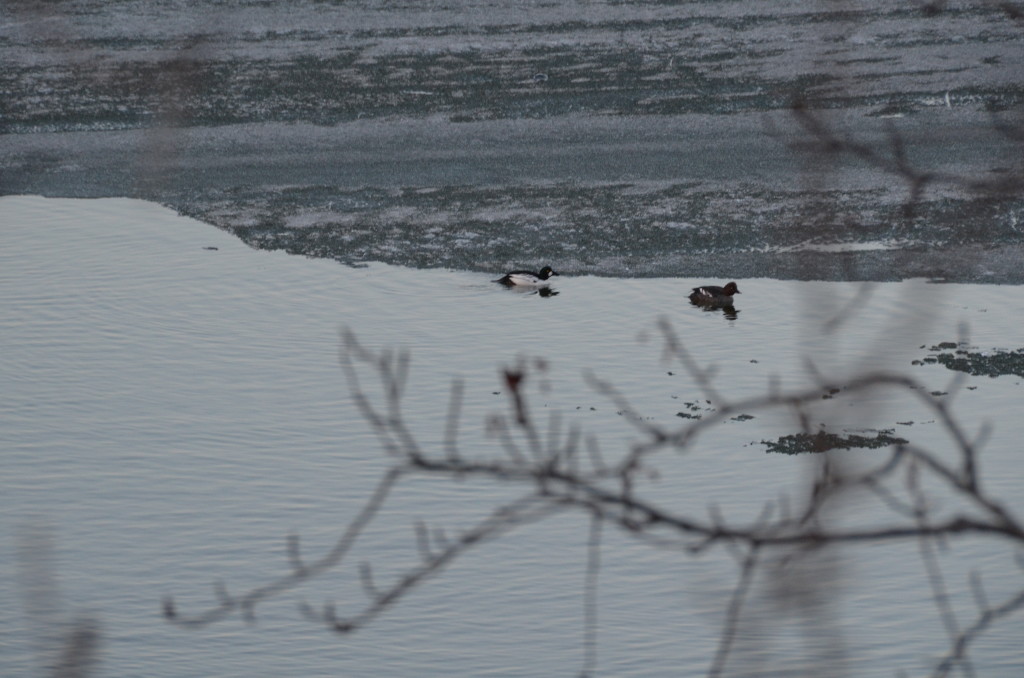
<point>822,441</point>
<point>349,85</point>
<point>695,409</point>
<point>959,358</point>
<point>319,128</point>
<point>625,229</point>
<point>479,65</point>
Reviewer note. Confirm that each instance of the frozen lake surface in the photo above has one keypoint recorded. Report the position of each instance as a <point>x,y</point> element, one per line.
<point>172,412</point>
<point>626,139</point>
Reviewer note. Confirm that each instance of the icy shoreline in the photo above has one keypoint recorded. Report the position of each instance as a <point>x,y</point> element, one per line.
<point>631,139</point>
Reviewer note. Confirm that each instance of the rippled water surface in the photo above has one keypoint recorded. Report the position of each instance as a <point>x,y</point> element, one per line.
<point>172,405</point>
<point>173,408</point>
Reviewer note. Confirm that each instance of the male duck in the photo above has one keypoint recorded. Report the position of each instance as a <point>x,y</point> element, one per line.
<point>712,294</point>
<point>513,278</point>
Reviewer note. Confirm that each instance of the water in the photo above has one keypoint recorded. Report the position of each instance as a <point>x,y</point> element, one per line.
<point>171,412</point>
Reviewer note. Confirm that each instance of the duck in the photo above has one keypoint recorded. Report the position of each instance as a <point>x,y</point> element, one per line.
<point>712,294</point>
<point>528,278</point>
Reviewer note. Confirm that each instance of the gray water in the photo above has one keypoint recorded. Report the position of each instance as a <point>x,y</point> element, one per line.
<point>171,413</point>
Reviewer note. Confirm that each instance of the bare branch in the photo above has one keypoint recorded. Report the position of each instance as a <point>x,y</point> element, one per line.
<point>555,481</point>
<point>249,600</point>
<point>958,651</point>
<point>590,609</point>
<point>732,615</point>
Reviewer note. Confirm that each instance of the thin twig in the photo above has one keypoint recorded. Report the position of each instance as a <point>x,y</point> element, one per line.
<point>732,614</point>
<point>590,608</point>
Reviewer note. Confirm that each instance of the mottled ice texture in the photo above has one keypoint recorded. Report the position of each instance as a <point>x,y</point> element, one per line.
<point>618,138</point>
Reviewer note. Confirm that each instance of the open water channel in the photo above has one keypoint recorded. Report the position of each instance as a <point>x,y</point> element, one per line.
<point>172,412</point>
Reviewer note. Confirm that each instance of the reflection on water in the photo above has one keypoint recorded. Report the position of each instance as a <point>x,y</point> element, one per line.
<point>541,291</point>
<point>173,405</point>
<point>728,310</point>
